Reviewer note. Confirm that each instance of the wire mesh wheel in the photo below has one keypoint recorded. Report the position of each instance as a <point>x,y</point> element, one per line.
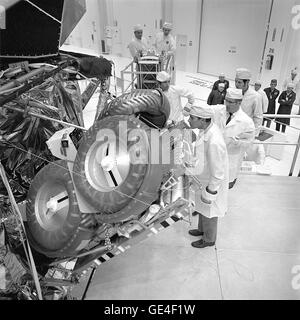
<point>107,174</point>
<point>55,225</point>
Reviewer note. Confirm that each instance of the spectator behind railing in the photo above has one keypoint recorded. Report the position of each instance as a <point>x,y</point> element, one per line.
<point>272,94</point>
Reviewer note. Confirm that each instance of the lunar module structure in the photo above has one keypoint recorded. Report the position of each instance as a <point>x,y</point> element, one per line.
<point>89,194</point>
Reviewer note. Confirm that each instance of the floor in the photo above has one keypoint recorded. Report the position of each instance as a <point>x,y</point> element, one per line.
<point>258,245</point>
<point>257,253</point>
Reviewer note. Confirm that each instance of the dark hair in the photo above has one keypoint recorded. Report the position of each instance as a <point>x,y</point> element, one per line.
<point>207,120</point>
<point>244,80</point>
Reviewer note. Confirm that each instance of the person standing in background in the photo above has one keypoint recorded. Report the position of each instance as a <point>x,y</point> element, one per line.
<point>139,44</point>
<point>264,98</point>
<point>251,103</point>
<point>217,96</point>
<point>272,95</point>
<point>221,80</point>
<point>286,101</point>
<point>295,80</point>
<point>164,42</point>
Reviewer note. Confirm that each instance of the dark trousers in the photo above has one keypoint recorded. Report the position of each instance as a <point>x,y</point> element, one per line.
<point>283,127</point>
<point>267,121</point>
<point>209,228</point>
<point>282,122</point>
<point>271,110</point>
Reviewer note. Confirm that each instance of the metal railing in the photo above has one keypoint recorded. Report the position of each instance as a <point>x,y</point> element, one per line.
<point>297,145</point>
<point>166,64</point>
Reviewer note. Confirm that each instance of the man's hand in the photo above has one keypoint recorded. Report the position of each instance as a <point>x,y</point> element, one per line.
<point>205,200</point>
<point>208,196</point>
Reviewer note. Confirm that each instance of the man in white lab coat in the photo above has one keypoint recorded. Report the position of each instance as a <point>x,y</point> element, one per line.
<point>251,103</point>
<point>239,132</point>
<point>139,44</point>
<point>264,98</point>
<point>174,94</point>
<point>210,202</point>
<point>164,42</point>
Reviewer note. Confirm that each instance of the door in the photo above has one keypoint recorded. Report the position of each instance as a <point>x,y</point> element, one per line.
<point>232,35</point>
<point>181,51</point>
<point>87,33</point>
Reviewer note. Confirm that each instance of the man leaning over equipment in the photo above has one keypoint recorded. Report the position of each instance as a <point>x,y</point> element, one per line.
<point>174,94</point>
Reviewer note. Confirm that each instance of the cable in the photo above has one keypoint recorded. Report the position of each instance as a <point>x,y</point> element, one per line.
<point>46,13</point>
<point>73,172</point>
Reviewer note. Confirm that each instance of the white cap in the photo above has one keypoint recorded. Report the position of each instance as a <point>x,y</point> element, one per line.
<point>234,93</point>
<point>222,74</point>
<point>291,85</point>
<point>204,111</point>
<point>167,25</point>
<point>137,27</point>
<point>243,73</point>
<point>258,82</point>
<point>163,76</point>
<point>154,208</point>
<point>294,71</point>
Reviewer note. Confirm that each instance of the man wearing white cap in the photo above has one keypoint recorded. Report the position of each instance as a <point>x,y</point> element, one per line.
<point>251,103</point>
<point>286,101</point>
<point>174,95</point>
<point>239,132</point>
<point>211,202</point>
<point>217,96</point>
<point>164,41</point>
<point>264,98</point>
<point>139,44</point>
<point>221,80</point>
<point>295,79</point>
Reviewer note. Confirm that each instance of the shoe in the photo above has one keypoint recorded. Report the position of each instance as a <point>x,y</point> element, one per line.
<point>231,184</point>
<point>195,233</point>
<point>195,213</point>
<point>202,244</point>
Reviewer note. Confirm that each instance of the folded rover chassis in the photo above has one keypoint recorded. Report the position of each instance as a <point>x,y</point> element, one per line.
<point>86,264</point>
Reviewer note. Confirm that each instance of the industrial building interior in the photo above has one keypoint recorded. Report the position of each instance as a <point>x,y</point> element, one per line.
<point>257,252</point>
<point>258,240</point>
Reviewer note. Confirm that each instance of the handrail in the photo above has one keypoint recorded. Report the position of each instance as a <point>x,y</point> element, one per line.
<point>276,143</point>
<point>134,73</point>
<point>295,158</point>
<point>272,115</point>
